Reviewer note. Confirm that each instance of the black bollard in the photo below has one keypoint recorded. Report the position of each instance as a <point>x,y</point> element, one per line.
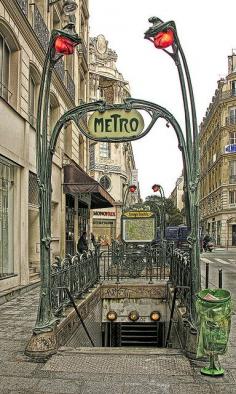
<point>207,276</point>
<point>220,278</point>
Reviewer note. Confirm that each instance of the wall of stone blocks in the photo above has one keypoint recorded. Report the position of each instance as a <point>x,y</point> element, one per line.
<point>93,324</point>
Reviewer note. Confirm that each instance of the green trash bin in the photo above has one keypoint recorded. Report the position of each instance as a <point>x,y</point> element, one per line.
<point>214,310</point>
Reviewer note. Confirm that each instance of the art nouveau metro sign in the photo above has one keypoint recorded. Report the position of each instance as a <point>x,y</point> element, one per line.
<point>115,123</point>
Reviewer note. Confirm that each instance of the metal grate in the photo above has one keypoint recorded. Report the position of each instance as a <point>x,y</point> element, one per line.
<point>33,189</point>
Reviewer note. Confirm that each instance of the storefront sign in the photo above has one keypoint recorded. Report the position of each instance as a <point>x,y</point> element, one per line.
<point>115,123</point>
<point>106,213</point>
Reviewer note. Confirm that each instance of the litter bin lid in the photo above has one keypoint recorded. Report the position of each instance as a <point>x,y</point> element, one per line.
<point>214,295</point>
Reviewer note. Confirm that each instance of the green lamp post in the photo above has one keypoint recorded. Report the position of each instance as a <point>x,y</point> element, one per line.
<point>43,340</point>
<point>164,36</point>
<point>126,190</point>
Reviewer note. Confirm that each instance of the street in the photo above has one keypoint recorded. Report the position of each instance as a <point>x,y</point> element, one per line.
<point>220,259</point>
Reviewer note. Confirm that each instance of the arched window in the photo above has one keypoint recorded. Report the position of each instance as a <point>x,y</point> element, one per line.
<point>4,68</point>
<point>34,82</point>
<point>9,64</point>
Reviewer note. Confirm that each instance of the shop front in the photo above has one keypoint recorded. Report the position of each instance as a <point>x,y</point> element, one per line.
<point>83,194</point>
<point>104,226</point>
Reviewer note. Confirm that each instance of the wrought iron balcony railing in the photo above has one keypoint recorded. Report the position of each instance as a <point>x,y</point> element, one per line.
<point>23,5</point>
<point>59,69</point>
<point>40,28</point>
<point>70,85</point>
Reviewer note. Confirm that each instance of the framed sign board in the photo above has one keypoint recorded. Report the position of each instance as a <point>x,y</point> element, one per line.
<point>138,226</point>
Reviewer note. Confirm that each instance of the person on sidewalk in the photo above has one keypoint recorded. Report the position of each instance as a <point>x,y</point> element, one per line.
<point>82,245</point>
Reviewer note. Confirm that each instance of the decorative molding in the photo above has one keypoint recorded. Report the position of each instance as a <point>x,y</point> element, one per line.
<point>133,291</point>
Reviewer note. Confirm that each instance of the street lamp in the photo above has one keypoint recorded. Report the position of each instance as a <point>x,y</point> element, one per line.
<point>43,341</point>
<point>126,190</point>
<point>158,188</point>
<point>69,6</point>
<point>164,36</point>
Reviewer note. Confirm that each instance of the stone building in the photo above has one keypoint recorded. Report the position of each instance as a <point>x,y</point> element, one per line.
<point>177,195</point>
<point>24,34</point>
<point>112,165</point>
<point>218,161</point>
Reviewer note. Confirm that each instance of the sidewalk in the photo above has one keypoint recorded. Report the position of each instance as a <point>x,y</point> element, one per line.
<point>100,370</point>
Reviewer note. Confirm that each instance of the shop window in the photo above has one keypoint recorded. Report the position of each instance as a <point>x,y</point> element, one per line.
<point>70,215</point>
<point>105,182</point>
<point>6,219</point>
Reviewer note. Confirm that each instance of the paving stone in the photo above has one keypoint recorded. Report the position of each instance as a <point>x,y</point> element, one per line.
<point>159,388</point>
<point>191,389</point>
<point>18,383</point>
<point>223,389</point>
<point>17,368</point>
<point>102,388</point>
<point>59,386</point>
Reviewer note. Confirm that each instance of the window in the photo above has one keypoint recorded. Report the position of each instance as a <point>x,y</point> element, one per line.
<point>6,219</point>
<point>105,182</point>
<point>4,69</point>
<point>105,149</point>
<point>232,138</point>
<point>232,116</point>
<point>232,197</point>
<point>233,86</point>
<point>32,101</point>
<point>232,171</point>
<point>34,81</point>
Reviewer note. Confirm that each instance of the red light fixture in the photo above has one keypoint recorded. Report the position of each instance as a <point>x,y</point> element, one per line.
<point>132,188</point>
<point>164,39</point>
<point>156,188</point>
<point>64,45</point>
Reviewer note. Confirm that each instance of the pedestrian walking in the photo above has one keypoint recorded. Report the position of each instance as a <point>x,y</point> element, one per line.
<point>82,245</point>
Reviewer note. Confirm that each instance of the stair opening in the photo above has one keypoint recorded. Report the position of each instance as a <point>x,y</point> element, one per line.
<point>133,334</point>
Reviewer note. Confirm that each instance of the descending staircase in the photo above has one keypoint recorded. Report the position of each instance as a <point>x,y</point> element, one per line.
<point>140,334</point>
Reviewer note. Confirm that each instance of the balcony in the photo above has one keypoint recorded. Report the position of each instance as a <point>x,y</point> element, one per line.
<point>59,69</point>
<point>40,28</point>
<point>70,85</point>
<point>23,6</point>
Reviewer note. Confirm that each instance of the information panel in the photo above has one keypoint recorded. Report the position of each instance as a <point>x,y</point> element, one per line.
<point>138,226</point>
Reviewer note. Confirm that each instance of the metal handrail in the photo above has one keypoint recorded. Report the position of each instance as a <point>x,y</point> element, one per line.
<point>78,314</point>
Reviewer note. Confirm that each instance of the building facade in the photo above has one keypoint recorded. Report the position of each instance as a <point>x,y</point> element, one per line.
<point>218,162</point>
<point>24,35</point>
<point>112,165</point>
<point>177,195</point>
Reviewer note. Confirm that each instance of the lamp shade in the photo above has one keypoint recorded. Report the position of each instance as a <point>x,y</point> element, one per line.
<point>164,39</point>
<point>156,188</point>
<point>132,188</point>
<point>64,45</point>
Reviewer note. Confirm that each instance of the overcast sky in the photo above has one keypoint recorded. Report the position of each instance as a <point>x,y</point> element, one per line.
<point>207,31</point>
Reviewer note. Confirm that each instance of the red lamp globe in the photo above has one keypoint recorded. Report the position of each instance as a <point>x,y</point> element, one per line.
<point>132,188</point>
<point>155,188</point>
<point>64,45</point>
<point>164,39</point>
